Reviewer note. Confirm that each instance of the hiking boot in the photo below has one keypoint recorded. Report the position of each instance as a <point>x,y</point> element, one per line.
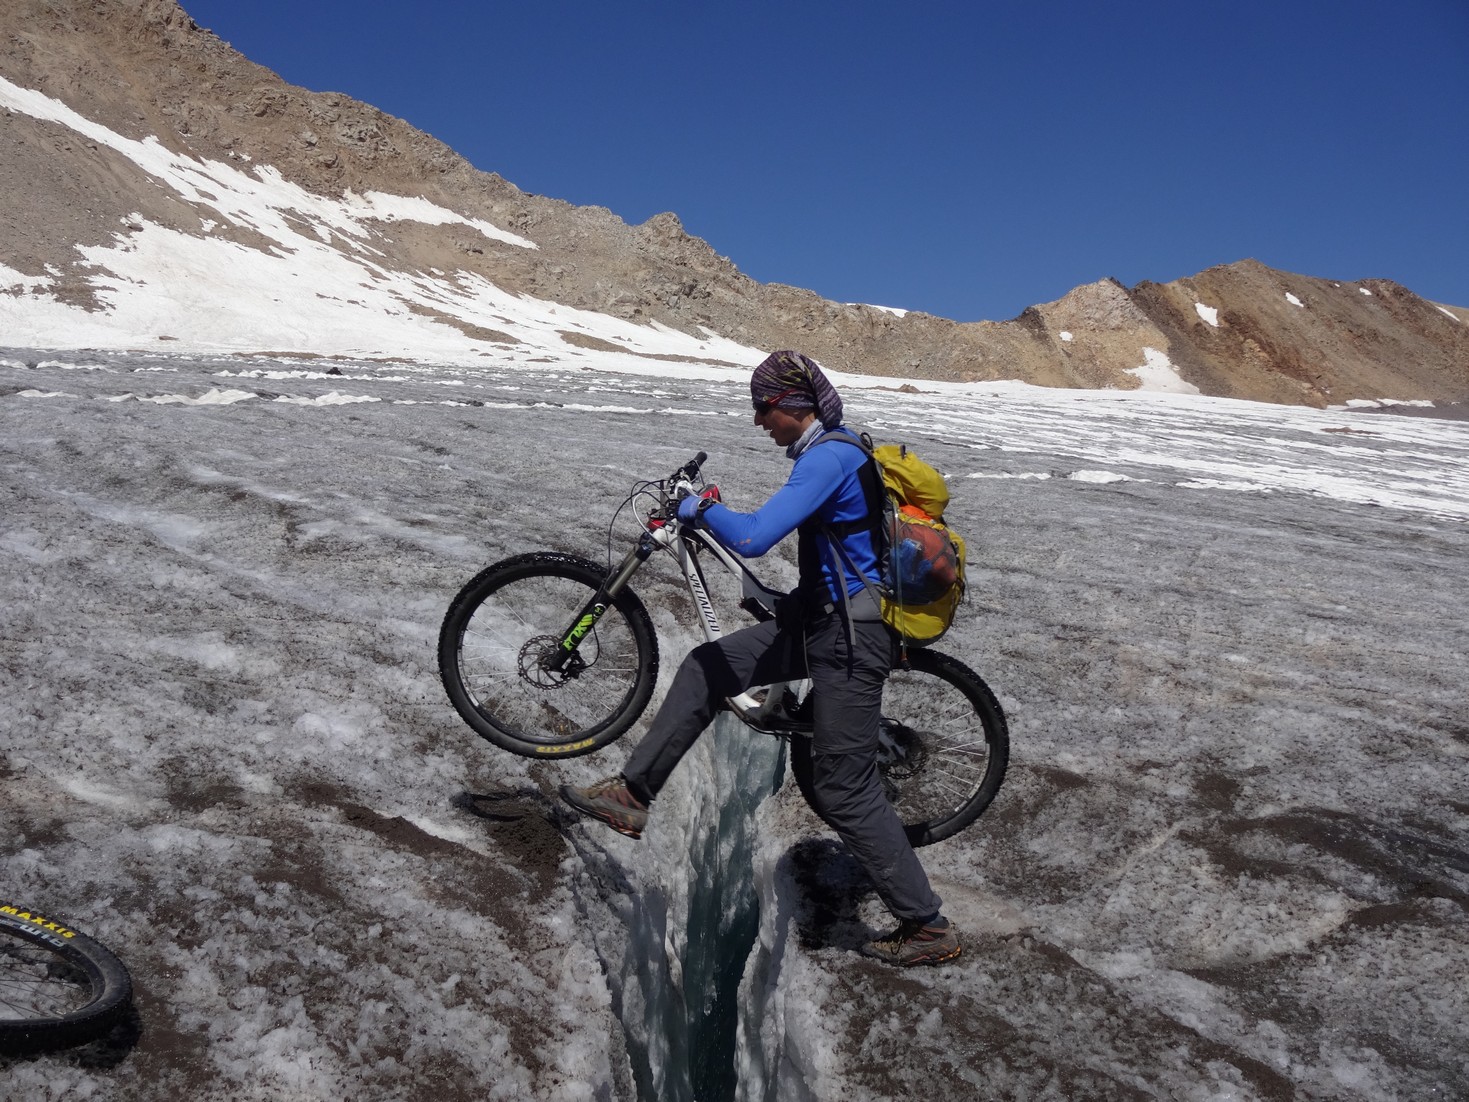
<point>610,801</point>
<point>913,942</point>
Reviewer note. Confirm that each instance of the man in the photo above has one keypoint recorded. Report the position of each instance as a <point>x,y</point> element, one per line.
<point>834,637</point>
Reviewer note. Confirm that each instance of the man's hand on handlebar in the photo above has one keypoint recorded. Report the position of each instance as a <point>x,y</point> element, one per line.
<point>692,505</point>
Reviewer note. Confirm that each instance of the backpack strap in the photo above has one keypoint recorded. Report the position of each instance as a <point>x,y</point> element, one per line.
<point>872,486</point>
<point>808,552</point>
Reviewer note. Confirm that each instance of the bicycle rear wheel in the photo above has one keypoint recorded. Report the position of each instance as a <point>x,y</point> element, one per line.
<point>500,635</point>
<point>57,987</point>
<point>944,747</point>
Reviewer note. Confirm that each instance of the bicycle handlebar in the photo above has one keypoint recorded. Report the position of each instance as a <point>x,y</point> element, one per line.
<point>682,479</point>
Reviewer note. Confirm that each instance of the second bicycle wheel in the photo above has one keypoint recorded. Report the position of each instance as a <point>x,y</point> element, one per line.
<point>499,659</point>
<point>57,987</point>
<point>943,747</point>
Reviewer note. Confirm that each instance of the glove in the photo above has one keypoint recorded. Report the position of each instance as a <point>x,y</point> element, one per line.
<point>691,508</point>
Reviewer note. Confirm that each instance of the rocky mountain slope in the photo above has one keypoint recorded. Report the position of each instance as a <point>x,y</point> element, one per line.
<point>144,68</point>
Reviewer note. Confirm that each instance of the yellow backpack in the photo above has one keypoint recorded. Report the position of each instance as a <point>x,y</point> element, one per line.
<point>921,557</point>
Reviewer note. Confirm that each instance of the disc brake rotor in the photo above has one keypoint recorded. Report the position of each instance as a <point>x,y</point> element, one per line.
<point>535,663</point>
<point>901,751</point>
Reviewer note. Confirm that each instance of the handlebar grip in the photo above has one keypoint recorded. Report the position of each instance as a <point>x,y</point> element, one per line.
<point>690,469</point>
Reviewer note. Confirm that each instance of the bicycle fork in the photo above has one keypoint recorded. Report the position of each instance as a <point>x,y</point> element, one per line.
<point>593,611</point>
<point>763,715</point>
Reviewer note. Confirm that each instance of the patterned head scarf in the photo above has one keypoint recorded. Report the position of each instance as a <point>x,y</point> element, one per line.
<point>808,385</point>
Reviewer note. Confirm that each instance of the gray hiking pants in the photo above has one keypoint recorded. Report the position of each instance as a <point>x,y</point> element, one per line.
<point>848,670</point>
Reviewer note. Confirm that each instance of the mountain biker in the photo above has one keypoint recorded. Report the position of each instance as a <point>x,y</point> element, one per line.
<point>837,639</point>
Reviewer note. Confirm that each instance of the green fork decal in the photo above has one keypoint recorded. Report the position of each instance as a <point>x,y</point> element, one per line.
<point>583,626</point>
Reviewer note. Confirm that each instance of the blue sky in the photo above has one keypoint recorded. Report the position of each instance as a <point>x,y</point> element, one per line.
<point>967,159</point>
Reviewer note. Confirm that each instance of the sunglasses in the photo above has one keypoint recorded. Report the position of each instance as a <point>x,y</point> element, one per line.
<point>762,408</point>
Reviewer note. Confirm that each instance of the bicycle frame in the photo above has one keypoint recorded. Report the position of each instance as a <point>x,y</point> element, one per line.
<point>758,599</point>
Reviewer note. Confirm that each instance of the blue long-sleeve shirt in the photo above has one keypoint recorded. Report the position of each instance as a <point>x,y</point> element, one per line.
<point>824,484</point>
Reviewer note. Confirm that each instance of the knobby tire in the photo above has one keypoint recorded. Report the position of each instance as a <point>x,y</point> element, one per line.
<point>58,987</point>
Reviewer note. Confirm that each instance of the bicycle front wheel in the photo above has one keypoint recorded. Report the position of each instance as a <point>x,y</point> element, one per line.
<point>57,987</point>
<point>497,646</point>
<point>943,747</point>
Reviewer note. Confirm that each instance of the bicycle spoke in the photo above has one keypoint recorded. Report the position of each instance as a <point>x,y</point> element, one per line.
<point>948,782</point>
<point>974,748</point>
<point>35,985</point>
<point>484,639</point>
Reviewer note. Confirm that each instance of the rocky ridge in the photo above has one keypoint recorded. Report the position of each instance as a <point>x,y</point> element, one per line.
<point>144,67</point>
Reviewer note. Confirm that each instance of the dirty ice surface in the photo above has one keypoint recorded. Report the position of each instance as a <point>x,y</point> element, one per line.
<point>1229,861</point>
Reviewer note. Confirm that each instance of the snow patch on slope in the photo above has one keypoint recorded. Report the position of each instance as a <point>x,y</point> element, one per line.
<point>1157,373</point>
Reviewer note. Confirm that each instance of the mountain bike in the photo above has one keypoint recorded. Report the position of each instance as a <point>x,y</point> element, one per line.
<point>549,655</point>
<point>57,986</point>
